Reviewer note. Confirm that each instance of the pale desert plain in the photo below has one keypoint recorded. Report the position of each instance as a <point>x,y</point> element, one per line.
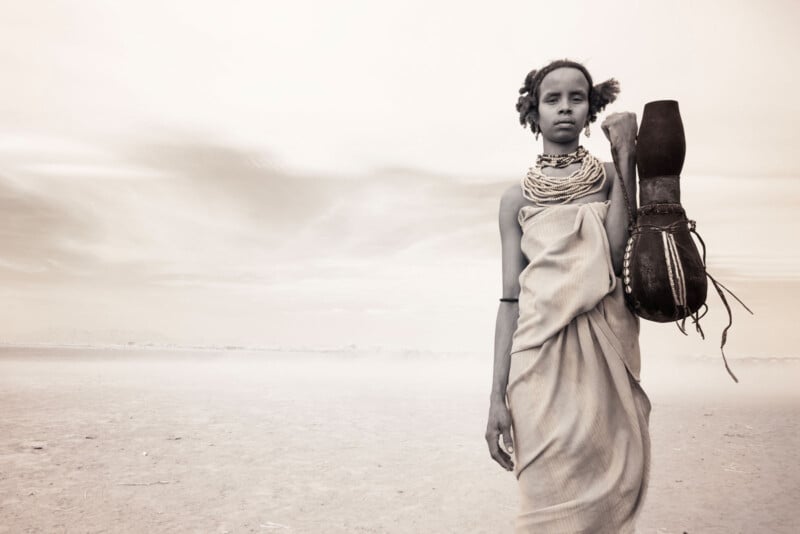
<point>250,260</point>
<point>371,439</point>
<point>113,440</point>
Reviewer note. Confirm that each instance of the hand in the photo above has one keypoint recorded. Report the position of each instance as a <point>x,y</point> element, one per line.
<point>620,128</point>
<point>500,424</point>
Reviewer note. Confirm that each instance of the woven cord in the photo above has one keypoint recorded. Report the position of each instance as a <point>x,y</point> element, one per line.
<point>631,218</point>
<point>717,286</point>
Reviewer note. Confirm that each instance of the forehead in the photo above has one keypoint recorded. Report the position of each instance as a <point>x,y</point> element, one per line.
<point>564,79</point>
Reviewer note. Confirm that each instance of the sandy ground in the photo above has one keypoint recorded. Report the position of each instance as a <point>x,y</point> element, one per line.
<point>124,441</point>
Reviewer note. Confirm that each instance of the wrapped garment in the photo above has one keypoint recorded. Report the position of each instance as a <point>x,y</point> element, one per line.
<point>579,415</point>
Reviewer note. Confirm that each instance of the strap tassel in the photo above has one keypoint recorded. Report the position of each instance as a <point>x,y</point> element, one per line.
<point>717,286</point>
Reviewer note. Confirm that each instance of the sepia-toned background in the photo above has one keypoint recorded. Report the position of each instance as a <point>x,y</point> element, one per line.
<point>309,181</point>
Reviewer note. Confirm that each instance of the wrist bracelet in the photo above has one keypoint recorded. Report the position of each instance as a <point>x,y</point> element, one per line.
<point>508,300</point>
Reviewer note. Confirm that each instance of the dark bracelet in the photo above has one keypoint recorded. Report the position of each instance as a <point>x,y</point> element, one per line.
<point>509,300</point>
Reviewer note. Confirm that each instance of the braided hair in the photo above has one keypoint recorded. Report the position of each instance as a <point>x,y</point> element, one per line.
<point>600,95</point>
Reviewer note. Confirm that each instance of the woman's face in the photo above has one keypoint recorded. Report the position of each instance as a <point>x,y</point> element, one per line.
<point>563,104</point>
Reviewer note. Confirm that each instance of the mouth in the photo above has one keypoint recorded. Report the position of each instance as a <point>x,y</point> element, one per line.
<point>571,123</point>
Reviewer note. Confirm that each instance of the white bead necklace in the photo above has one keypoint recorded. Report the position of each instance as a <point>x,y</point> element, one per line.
<point>542,189</point>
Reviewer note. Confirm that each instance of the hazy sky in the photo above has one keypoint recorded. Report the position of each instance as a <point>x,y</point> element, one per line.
<point>316,173</point>
<point>338,87</point>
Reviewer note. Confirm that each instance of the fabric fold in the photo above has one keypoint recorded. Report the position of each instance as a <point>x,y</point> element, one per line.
<point>569,268</point>
<point>580,417</point>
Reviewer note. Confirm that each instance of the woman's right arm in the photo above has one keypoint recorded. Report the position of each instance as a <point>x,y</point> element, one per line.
<point>514,262</point>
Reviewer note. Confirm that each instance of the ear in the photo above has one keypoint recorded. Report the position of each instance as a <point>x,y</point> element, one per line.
<point>604,93</point>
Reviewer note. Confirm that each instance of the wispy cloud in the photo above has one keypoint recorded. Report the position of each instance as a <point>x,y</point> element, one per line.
<point>206,241</point>
<point>208,211</point>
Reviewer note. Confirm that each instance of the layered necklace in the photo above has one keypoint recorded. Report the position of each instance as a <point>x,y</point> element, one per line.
<point>542,189</point>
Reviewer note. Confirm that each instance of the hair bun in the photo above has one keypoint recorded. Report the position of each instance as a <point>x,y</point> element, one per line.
<point>604,93</point>
<point>527,86</point>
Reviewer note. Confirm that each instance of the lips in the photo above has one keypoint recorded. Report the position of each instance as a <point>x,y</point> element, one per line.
<point>566,122</point>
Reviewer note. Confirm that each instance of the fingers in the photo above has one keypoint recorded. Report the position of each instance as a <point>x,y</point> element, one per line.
<point>620,127</point>
<point>503,459</point>
<point>612,121</point>
<point>605,126</point>
<point>498,454</point>
<point>620,116</point>
<point>507,442</point>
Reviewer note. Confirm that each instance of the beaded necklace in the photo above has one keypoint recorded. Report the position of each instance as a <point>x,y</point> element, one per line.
<point>559,161</point>
<point>542,189</point>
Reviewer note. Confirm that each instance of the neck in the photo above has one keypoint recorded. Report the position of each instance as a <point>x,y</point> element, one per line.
<point>552,147</point>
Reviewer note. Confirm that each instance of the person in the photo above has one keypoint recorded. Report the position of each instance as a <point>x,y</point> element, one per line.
<point>566,368</point>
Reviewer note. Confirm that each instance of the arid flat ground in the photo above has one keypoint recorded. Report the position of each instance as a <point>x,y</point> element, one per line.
<point>153,441</point>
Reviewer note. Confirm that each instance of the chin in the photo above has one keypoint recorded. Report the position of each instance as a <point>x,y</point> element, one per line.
<point>564,138</point>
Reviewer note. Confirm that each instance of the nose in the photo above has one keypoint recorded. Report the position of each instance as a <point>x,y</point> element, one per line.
<point>565,107</point>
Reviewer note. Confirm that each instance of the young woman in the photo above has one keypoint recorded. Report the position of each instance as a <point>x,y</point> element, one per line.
<point>566,369</point>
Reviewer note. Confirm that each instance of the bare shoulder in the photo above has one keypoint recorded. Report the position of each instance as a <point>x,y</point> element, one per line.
<point>512,197</point>
<point>510,203</point>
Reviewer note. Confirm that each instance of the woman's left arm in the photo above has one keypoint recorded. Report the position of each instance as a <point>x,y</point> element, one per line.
<point>620,129</point>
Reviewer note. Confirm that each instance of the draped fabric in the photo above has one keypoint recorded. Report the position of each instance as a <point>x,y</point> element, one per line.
<point>580,417</point>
